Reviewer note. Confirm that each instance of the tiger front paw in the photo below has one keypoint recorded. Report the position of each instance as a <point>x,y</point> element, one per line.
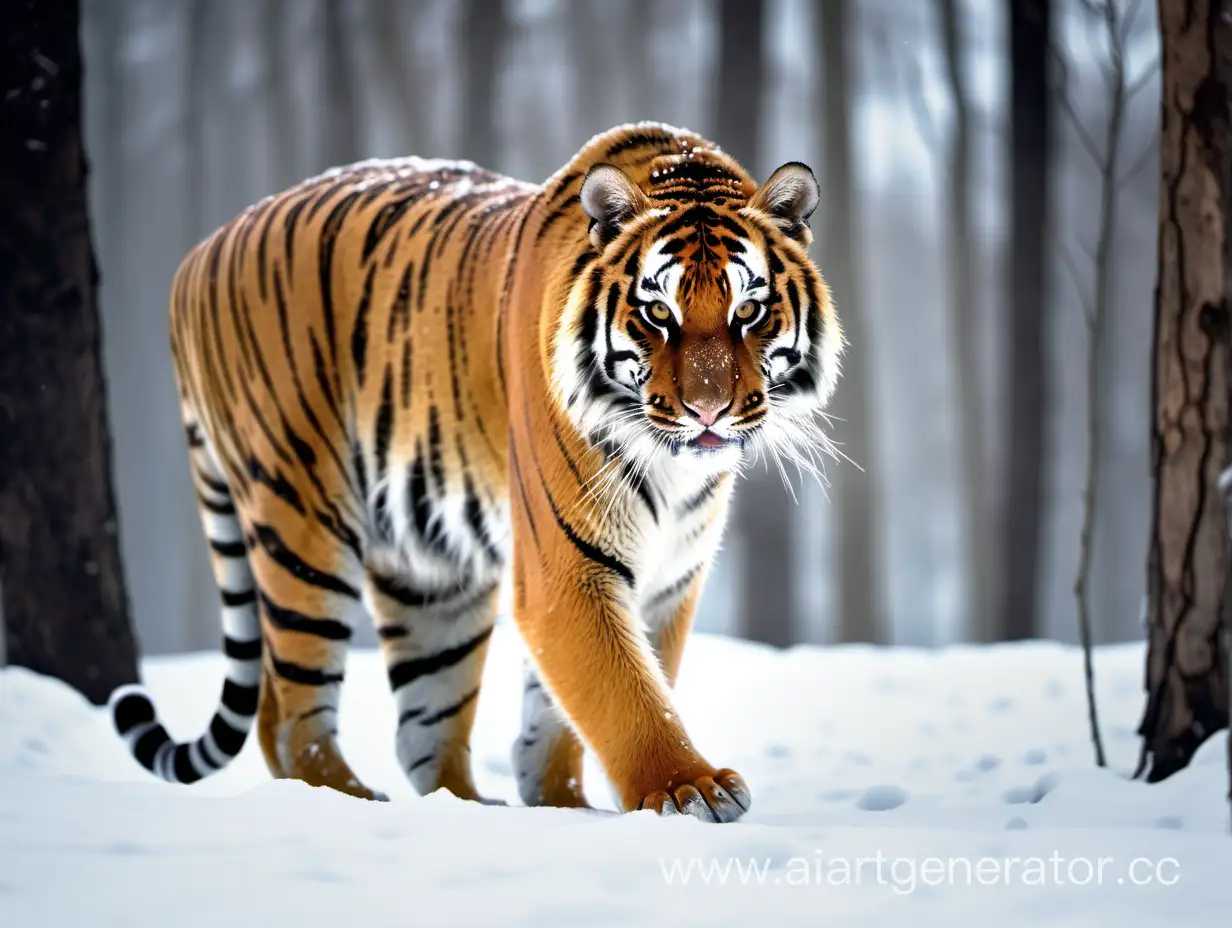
<point>719,797</point>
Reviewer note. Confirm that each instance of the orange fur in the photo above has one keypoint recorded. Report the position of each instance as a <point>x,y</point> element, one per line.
<point>374,374</point>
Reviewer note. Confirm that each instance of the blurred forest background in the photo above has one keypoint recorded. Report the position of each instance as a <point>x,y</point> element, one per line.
<point>931,124</point>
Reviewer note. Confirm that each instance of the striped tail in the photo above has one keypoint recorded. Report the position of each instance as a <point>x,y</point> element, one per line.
<point>132,710</point>
<point>134,717</point>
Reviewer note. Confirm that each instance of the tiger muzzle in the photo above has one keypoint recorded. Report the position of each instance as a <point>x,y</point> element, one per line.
<point>707,378</point>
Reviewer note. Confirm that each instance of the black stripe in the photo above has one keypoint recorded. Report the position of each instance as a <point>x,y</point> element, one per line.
<point>674,588</point>
<point>361,472</point>
<point>640,140</point>
<point>219,509</point>
<point>385,219</point>
<point>233,549</point>
<point>699,499</point>
<point>291,620</point>
<point>421,289</point>
<point>322,375</point>
<point>392,632</point>
<point>417,492</point>
<point>269,539</point>
<point>328,239</point>
<point>384,425</point>
<point>406,374</point>
<point>516,472</point>
<point>450,711</point>
<point>359,333</point>
<point>406,672</point>
<point>426,759</point>
<point>147,746</point>
<point>556,215</point>
<point>289,223</point>
<point>241,650</point>
<point>400,310</point>
<point>277,484</point>
<point>400,592</point>
<point>642,489</point>
<point>132,710</point>
<point>410,715</point>
<point>473,510</point>
<point>587,549</point>
<point>305,676</point>
<point>239,698</point>
<point>435,461</point>
<point>228,738</point>
<point>182,767</point>
<point>217,486</point>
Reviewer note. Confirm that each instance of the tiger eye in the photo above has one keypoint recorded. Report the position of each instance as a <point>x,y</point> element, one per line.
<point>660,312</point>
<point>747,310</point>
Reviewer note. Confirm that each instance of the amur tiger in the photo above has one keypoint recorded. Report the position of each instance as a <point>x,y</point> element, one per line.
<point>400,377</point>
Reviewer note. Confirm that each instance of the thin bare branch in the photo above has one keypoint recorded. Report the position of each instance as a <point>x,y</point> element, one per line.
<point>1141,160</point>
<point>910,79</point>
<point>1097,313</point>
<point>1062,92</point>
<point>1075,274</point>
<point>1127,24</point>
<point>1142,79</point>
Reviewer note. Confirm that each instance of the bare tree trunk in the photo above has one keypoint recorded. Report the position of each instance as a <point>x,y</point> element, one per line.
<point>1187,569</point>
<point>852,489</point>
<point>591,83</point>
<point>643,20</point>
<point>1096,309</point>
<point>340,143</point>
<point>764,509</point>
<point>283,163</point>
<point>1030,147</point>
<point>972,483</point>
<point>194,115</point>
<point>395,68</point>
<point>66,611</point>
<point>484,34</point>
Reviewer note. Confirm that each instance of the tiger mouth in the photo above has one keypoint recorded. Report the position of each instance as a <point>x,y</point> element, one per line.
<point>709,441</point>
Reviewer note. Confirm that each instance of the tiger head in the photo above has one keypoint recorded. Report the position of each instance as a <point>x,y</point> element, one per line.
<point>699,329</point>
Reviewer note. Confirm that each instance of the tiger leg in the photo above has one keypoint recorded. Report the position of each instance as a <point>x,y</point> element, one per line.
<point>669,619</point>
<point>547,757</point>
<point>309,602</point>
<point>435,646</point>
<point>599,665</point>
<point>267,725</point>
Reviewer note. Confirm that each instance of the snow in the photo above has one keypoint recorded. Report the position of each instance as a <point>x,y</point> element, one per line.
<point>887,785</point>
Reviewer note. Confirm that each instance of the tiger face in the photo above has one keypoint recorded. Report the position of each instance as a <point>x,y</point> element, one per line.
<point>701,331</point>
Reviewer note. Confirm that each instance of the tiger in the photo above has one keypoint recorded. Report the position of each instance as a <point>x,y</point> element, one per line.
<point>406,381</point>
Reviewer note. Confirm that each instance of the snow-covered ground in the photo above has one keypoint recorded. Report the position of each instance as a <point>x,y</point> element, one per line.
<point>887,786</point>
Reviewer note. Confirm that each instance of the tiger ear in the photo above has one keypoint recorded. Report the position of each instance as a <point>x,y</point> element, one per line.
<point>789,198</point>
<point>610,199</point>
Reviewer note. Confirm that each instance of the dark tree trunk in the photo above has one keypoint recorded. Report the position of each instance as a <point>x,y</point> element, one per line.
<point>964,324</point>
<point>1187,567</point>
<point>852,489</point>
<point>1030,138</point>
<point>484,26</point>
<point>65,608</point>
<point>763,506</point>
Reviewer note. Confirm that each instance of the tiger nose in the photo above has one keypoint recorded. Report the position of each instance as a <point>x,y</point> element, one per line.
<point>706,411</point>
<point>706,379</point>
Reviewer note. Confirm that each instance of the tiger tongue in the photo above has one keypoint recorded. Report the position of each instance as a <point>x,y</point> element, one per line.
<point>709,439</point>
